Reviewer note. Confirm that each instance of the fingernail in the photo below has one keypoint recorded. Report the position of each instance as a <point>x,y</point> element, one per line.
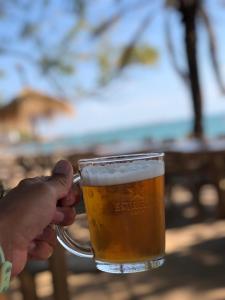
<point>62,167</point>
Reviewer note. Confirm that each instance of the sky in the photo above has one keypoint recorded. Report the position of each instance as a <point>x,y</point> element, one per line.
<point>142,94</point>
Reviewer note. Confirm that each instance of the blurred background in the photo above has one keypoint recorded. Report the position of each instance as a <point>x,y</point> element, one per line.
<point>83,78</point>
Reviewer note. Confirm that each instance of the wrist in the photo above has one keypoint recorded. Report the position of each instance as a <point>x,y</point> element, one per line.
<point>12,245</point>
<point>6,240</point>
<point>5,261</point>
<point>5,272</point>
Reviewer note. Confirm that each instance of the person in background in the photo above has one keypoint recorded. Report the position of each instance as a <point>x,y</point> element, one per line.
<point>28,214</point>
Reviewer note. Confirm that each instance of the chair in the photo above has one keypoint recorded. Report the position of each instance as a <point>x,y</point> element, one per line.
<point>59,264</point>
<point>194,170</point>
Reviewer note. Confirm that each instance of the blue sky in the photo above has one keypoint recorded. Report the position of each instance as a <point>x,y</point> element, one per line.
<point>141,95</point>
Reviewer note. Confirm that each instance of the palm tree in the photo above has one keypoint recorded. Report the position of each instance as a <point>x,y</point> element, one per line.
<point>191,11</point>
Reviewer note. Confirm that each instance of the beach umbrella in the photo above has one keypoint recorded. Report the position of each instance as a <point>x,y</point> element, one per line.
<point>29,107</point>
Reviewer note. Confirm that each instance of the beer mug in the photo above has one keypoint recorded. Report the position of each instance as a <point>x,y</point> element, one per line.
<point>124,201</point>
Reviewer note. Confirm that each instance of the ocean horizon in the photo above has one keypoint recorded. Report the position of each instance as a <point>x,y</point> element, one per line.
<point>214,126</point>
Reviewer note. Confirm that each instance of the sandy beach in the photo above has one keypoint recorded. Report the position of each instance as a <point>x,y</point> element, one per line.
<point>194,270</point>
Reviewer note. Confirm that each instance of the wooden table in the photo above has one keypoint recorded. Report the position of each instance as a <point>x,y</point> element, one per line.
<point>197,163</point>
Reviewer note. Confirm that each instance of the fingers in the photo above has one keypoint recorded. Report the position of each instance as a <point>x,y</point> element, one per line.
<point>68,214</point>
<point>61,179</point>
<point>42,247</point>
<point>48,235</point>
<point>42,251</point>
<point>71,199</point>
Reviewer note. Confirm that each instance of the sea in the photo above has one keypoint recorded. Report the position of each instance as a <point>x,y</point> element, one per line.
<point>214,126</point>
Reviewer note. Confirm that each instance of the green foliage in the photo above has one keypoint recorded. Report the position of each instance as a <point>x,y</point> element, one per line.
<point>31,43</point>
<point>58,56</point>
<point>145,55</point>
<point>48,64</point>
<point>66,69</point>
<point>140,54</point>
<point>105,66</point>
<point>111,60</point>
<point>104,61</point>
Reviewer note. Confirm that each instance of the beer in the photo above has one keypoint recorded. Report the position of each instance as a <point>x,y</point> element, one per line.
<point>125,209</point>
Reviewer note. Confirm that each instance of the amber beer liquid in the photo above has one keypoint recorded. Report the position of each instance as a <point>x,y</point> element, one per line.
<point>125,208</point>
<point>124,203</point>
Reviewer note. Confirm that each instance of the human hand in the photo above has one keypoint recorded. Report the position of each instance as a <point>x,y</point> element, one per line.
<point>28,211</point>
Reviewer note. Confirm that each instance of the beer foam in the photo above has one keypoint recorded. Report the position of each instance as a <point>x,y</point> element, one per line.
<point>120,173</point>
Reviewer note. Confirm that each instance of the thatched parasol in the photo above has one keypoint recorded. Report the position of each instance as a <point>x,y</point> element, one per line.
<point>23,112</point>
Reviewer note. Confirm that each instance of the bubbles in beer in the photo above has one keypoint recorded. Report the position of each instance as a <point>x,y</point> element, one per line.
<point>120,173</point>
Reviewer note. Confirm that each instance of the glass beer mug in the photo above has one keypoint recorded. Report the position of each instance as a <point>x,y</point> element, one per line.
<point>124,200</point>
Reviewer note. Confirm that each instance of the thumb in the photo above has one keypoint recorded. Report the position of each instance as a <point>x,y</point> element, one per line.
<point>61,179</point>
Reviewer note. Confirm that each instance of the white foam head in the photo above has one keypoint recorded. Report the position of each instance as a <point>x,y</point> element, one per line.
<point>120,173</point>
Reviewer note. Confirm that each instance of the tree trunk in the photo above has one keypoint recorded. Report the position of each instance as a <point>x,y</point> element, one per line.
<point>188,10</point>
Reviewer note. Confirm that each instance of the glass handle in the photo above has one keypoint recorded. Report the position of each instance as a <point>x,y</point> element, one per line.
<point>66,240</point>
